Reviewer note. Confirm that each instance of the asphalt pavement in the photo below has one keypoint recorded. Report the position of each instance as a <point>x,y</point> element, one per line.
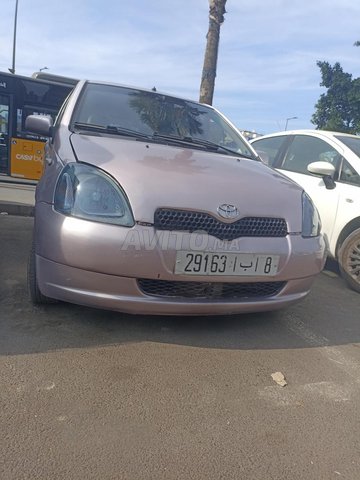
<point>91,394</point>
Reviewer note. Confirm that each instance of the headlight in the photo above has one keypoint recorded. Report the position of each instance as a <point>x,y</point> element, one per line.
<point>311,224</point>
<point>87,192</point>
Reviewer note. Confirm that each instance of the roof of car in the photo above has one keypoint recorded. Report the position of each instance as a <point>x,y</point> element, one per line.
<point>320,133</point>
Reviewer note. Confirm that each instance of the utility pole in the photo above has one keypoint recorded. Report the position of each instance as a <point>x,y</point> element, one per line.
<point>216,18</point>
<point>12,70</point>
<point>287,121</point>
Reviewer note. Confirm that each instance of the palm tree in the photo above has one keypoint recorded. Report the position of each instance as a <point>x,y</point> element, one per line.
<point>216,18</point>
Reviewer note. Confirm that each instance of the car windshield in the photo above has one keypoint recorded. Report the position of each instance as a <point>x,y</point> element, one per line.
<point>351,142</point>
<point>158,117</point>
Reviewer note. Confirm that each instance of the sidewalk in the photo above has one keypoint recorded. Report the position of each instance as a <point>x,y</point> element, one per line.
<point>17,197</point>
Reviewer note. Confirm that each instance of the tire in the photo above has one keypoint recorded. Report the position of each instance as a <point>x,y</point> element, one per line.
<point>36,297</point>
<point>349,260</point>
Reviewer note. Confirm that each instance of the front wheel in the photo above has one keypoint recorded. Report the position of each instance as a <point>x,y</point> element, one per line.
<point>36,296</point>
<point>349,260</point>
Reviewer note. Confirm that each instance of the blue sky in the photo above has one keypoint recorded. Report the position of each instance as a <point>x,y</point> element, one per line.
<point>267,68</point>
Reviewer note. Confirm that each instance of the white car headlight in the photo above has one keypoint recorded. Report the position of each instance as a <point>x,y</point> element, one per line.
<point>87,192</point>
<point>311,224</point>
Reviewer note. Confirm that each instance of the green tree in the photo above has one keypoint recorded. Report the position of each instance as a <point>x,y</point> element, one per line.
<point>339,108</point>
<point>216,18</point>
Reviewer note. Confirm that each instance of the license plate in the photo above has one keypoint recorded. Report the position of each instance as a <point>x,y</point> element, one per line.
<point>242,264</point>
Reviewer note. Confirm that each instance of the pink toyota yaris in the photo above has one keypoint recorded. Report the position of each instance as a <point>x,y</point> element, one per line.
<point>154,204</point>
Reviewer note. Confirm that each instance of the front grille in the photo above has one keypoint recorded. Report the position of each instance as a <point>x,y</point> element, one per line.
<point>183,220</point>
<point>209,290</point>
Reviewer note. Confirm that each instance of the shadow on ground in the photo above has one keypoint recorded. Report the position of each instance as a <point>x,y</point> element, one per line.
<point>330,312</point>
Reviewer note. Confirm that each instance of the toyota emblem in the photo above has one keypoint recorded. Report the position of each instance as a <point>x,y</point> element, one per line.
<point>228,211</point>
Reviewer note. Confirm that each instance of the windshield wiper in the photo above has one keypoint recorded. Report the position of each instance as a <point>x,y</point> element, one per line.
<point>111,129</point>
<point>126,131</point>
<point>213,145</point>
<point>200,142</point>
<point>186,141</point>
<point>169,136</point>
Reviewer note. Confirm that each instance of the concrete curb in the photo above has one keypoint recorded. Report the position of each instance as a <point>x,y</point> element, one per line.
<point>18,209</point>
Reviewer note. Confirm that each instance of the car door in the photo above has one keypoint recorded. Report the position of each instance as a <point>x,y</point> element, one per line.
<point>303,150</point>
<point>348,186</point>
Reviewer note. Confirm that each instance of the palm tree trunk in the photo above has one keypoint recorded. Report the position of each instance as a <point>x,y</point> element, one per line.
<point>216,18</point>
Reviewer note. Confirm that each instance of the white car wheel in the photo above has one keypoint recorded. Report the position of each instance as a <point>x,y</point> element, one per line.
<point>349,260</point>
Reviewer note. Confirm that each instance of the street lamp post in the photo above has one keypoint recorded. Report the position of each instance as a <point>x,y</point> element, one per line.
<point>12,70</point>
<point>287,121</point>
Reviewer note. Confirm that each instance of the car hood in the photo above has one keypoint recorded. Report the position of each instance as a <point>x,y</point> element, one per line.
<point>157,175</point>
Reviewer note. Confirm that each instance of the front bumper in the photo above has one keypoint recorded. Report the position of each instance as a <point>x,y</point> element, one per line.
<point>123,294</point>
<point>99,265</point>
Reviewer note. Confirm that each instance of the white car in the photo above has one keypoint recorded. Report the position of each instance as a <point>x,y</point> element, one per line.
<point>327,166</point>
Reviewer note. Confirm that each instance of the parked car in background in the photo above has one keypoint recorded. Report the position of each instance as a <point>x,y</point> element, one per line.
<point>327,166</point>
<point>150,203</point>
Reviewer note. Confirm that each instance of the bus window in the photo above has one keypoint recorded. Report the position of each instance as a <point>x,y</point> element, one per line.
<point>22,153</point>
<point>4,133</point>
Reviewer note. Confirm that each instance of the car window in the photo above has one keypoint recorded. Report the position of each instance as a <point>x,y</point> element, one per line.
<point>268,148</point>
<point>349,175</point>
<point>351,142</point>
<point>305,150</point>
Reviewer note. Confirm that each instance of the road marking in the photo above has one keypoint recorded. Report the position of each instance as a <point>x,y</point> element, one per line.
<point>299,395</point>
<point>293,323</point>
<point>343,361</point>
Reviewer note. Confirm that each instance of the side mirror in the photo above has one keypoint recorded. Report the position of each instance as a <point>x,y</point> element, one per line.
<point>325,170</point>
<point>322,169</point>
<point>40,124</point>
